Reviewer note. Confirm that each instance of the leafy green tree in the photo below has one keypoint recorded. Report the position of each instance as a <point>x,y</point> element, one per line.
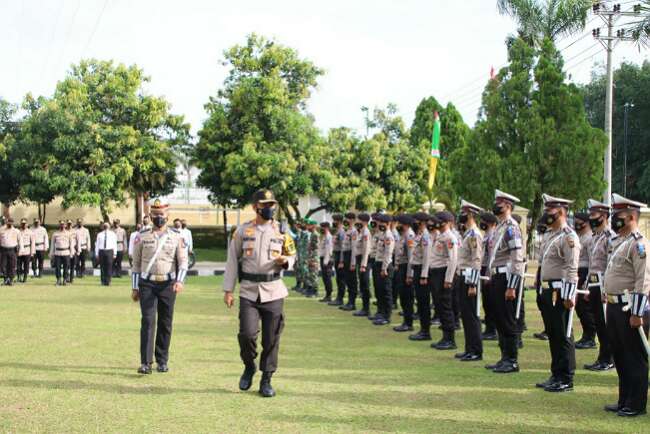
<point>640,28</point>
<point>9,129</point>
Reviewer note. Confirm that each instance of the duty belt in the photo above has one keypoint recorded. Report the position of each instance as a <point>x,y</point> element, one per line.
<point>60,249</point>
<point>617,299</point>
<point>39,244</point>
<point>258,278</point>
<point>553,284</point>
<point>158,277</point>
<point>500,270</point>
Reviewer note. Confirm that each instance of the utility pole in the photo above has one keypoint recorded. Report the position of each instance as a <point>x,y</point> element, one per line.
<point>609,42</point>
<point>626,109</point>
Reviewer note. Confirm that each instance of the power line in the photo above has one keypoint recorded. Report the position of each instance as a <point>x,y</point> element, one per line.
<point>51,41</point>
<point>92,34</point>
<point>67,36</point>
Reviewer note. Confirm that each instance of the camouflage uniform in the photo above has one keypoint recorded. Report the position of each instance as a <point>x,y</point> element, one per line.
<point>301,266</point>
<point>311,263</point>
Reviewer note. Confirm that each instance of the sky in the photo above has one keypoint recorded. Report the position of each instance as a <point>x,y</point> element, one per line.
<point>373,52</point>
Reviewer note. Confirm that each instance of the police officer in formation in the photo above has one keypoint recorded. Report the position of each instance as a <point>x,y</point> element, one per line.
<point>360,260</point>
<point>347,262</point>
<point>325,253</point>
<point>582,309</point>
<point>403,251</point>
<point>120,235</point>
<point>338,238</point>
<point>26,250</point>
<point>9,246</point>
<point>488,225</point>
<point>84,245</point>
<point>383,270</point>
<point>42,245</point>
<point>61,252</point>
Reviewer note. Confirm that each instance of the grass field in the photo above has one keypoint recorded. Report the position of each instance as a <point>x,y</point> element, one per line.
<point>216,254</point>
<point>69,357</point>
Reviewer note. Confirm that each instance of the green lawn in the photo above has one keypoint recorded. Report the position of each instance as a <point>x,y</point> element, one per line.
<point>69,357</point>
<point>217,254</point>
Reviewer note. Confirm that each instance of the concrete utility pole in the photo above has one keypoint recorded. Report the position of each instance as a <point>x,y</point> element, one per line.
<point>609,42</point>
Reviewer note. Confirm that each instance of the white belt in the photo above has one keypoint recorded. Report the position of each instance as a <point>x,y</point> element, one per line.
<point>500,270</point>
<point>158,277</point>
<point>556,284</point>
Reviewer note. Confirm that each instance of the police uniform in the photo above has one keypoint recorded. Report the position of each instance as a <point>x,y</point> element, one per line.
<point>582,309</point>
<point>559,279</point>
<point>442,270</point>
<point>74,250</point>
<point>9,245</point>
<point>159,262</point>
<point>252,256</point>
<point>42,245</point>
<point>418,270</point>
<point>470,256</point>
<point>506,268</point>
<point>384,270</point>
<point>348,263</point>
<point>337,249</point>
<point>360,259</point>
<point>26,250</point>
<point>61,249</point>
<point>487,295</point>
<point>374,271</point>
<point>325,253</point>
<point>403,250</point>
<point>83,247</point>
<point>628,272</point>
<point>598,253</point>
<point>120,234</point>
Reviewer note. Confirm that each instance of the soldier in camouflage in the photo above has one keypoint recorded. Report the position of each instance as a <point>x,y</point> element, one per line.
<point>312,260</point>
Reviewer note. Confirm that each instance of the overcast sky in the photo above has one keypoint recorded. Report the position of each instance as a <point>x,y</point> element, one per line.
<point>373,52</point>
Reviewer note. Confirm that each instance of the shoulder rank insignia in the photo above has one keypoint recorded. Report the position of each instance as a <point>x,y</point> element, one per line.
<point>637,235</point>
<point>249,232</point>
<point>289,247</point>
<point>640,247</point>
<point>472,242</point>
<point>571,242</point>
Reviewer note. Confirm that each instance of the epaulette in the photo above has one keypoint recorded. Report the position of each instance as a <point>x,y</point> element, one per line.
<point>637,235</point>
<point>175,230</point>
<point>567,230</point>
<point>145,230</point>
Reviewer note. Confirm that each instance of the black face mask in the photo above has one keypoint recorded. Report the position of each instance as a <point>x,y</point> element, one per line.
<point>549,219</point>
<point>595,223</point>
<point>462,227</point>
<point>497,210</point>
<point>579,226</point>
<point>382,228</point>
<point>61,227</point>
<point>346,225</point>
<point>373,225</point>
<point>618,223</point>
<point>432,227</point>
<point>462,219</point>
<point>541,229</point>
<point>266,213</point>
<point>400,228</point>
<point>483,226</point>
<point>159,221</point>
<point>358,226</point>
<point>36,224</point>
<point>415,227</point>
<point>23,225</point>
<point>183,225</point>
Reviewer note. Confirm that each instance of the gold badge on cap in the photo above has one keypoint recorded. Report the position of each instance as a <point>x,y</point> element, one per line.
<point>268,195</point>
<point>156,202</point>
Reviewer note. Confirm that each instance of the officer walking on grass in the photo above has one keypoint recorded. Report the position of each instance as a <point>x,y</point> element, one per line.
<point>257,256</point>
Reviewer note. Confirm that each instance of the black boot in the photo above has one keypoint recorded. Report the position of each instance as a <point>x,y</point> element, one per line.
<point>246,380</point>
<point>266,390</point>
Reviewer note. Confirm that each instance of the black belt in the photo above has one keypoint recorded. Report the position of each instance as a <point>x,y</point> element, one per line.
<point>259,277</point>
<point>39,244</point>
<point>62,249</point>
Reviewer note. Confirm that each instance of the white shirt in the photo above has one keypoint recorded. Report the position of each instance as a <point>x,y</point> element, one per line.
<point>106,240</point>
<point>187,237</point>
<point>131,240</point>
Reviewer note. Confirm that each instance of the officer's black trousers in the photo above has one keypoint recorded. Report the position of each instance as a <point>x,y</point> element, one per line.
<point>556,319</point>
<point>488,303</point>
<point>9,260</point>
<point>340,277</point>
<point>37,263</point>
<point>584,312</point>
<point>61,267</point>
<point>443,299</point>
<point>350,277</point>
<point>106,266</point>
<point>471,322</point>
<point>156,298</point>
<point>23,265</point>
<point>272,316</point>
<point>383,291</point>
<point>423,297</point>
<point>374,271</point>
<point>629,356</point>
<point>504,317</point>
<point>80,266</point>
<point>596,306</point>
<point>455,298</point>
<point>405,293</point>
<point>117,264</point>
<point>326,274</point>
<point>364,283</point>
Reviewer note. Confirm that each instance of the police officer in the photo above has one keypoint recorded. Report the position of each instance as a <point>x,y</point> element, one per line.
<point>506,265</point>
<point>542,233</point>
<point>488,225</point>
<point>312,259</point>
<point>26,250</point>
<point>83,247</point>
<point>348,261</point>
<point>326,260</point>
<point>157,276</point>
<point>418,275</point>
<point>582,228</point>
<point>73,249</point>
<point>120,235</point>
<point>257,256</point>
<point>360,260</point>
<point>470,256</point>
<point>442,269</point>
<point>42,243</point>
<point>374,272</point>
<point>337,238</point>
<point>403,251</point>
<point>559,278</point>
<point>105,248</point>
<point>60,252</point>
<point>384,270</point>
<point>9,244</point>
<point>627,273</point>
<point>598,252</point>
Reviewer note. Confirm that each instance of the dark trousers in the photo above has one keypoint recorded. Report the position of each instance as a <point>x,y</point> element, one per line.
<point>405,292</point>
<point>455,298</point>
<point>423,297</point>
<point>584,312</point>
<point>471,322</point>
<point>443,299</point>
<point>326,274</point>
<point>364,282</point>
<point>340,277</point>
<point>596,306</point>
<point>80,265</point>
<point>350,278</point>
<point>488,303</point>
<point>630,357</point>
<point>556,319</point>
<point>37,263</point>
<point>272,316</point>
<point>504,317</point>
<point>23,265</point>
<point>106,266</point>
<point>383,290</point>
<point>9,261</point>
<point>61,267</point>
<point>156,298</point>
<point>117,264</point>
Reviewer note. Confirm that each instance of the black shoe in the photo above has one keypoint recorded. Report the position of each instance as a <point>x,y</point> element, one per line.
<point>559,386</point>
<point>335,303</point>
<point>144,369</point>
<point>628,412</point>
<point>507,368</point>
<point>162,368</point>
<point>361,312</point>
<point>460,355</point>
<point>416,317</point>
<point>585,344</point>
<point>601,366</point>
<point>420,336</point>
<point>495,365</point>
<point>403,328</point>
<point>457,326</point>
<point>325,299</point>
<point>520,344</point>
<point>614,408</point>
<point>444,344</point>
<point>373,317</point>
<point>435,322</point>
<point>470,357</point>
<point>546,383</point>
<point>541,336</point>
<point>489,336</point>
<point>381,321</point>
<point>246,379</point>
<point>394,306</point>
<point>266,390</point>
<point>400,313</point>
<point>312,294</point>
<point>348,307</point>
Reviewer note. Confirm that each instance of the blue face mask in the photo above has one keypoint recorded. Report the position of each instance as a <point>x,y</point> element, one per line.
<point>159,221</point>
<point>266,213</point>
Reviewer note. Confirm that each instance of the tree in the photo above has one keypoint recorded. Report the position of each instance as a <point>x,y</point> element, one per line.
<point>9,129</point>
<point>640,28</point>
<point>541,19</point>
<point>632,86</point>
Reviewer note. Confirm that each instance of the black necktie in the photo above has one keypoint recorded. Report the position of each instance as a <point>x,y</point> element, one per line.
<point>105,239</point>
